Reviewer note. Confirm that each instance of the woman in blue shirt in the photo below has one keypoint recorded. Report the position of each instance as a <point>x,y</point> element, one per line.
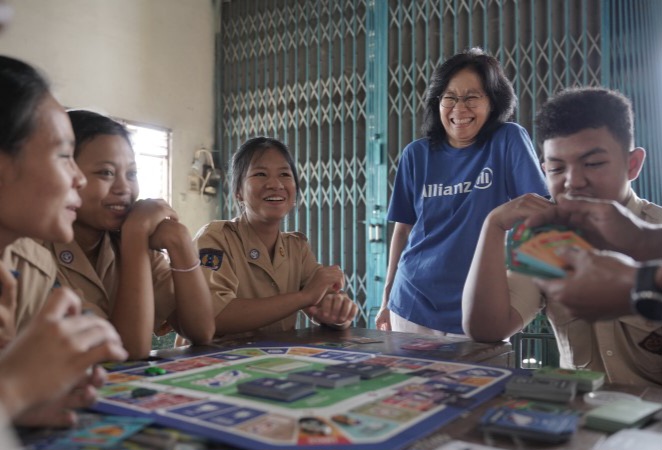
<point>470,161</point>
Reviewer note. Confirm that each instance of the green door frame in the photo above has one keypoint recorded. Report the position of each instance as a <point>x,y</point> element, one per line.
<point>376,154</point>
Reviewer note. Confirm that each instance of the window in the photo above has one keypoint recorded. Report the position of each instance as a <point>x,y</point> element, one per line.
<point>152,148</point>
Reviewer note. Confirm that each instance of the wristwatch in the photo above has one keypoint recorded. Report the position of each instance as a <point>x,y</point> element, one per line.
<point>646,296</point>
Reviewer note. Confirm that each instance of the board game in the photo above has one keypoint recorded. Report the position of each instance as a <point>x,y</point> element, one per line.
<point>392,402</point>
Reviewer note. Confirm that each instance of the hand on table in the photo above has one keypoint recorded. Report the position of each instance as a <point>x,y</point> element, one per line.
<point>335,309</point>
<point>383,320</point>
<point>326,279</point>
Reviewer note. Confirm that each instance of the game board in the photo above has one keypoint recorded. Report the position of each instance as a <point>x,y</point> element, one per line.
<point>199,394</point>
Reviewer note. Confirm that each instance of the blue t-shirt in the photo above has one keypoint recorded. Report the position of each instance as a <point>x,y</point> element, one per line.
<point>446,193</point>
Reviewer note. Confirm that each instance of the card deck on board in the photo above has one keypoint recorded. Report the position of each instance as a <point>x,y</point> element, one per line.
<point>324,378</point>
<point>529,424</point>
<point>365,371</point>
<point>541,389</point>
<point>587,380</point>
<point>276,389</point>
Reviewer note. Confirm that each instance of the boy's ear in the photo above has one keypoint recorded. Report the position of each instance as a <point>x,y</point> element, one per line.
<point>636,159</point>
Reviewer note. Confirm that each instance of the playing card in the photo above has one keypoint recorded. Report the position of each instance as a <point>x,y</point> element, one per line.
<point>276,389</point>
<point>532,251</point>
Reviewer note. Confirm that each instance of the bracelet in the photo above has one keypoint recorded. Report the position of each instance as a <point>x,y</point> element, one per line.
<point>190,269</point>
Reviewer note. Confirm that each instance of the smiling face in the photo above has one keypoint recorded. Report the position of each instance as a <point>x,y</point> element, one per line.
<point>591,163</point>
<point>109,164</point>
<point>39,186</point>
<point>463,124</point>
<point>268,189</point>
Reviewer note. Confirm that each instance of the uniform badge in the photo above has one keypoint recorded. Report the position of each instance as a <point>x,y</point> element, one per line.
<point>211,258</point>
<point>282,251</point>
<point>254,254</point>
<point>66,257</point>
<point>652,343</point>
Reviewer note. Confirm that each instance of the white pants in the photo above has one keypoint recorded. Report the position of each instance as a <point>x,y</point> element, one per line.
<point>400,324</point>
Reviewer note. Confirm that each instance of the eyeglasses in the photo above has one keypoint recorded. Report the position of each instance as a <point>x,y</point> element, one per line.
<point>470,101</point>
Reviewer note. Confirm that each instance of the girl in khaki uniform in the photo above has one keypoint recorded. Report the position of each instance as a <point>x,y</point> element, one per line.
<point>259,276</point>
<point>115,259</point>
<point>39,184</point>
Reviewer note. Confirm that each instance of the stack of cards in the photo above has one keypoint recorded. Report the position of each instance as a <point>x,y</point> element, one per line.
<point>533,405</point>
<point>531,251</point>
<point>364,370</point>
<point>631,440</point>
<point>324,378</point>
<point>587,380</point>
<point>276,389</point>
<point>528,424</point>
<point>619,415</point>
<point>537,389</point>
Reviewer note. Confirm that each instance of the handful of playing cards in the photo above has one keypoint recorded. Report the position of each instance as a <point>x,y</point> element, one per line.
<point>531,251</point>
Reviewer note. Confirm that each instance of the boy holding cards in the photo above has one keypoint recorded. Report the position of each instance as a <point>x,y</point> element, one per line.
<point>587,140</point>
<point>606,285</point>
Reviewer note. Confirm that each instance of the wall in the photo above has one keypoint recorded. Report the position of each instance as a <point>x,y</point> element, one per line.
<point>150,61</point>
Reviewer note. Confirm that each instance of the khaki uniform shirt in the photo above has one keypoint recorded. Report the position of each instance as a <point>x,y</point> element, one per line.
<point>37,274</point>
<point>8,439</point>
<point>98,285</point>
<point>237,265</point>
<point>628,349</point>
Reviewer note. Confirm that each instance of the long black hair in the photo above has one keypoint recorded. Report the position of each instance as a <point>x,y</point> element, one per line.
<point>87,125</point>
<point>22,89</point>
<point>495,84</point>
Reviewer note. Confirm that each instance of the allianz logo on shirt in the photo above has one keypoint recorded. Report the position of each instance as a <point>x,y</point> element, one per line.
<point>483,181</point>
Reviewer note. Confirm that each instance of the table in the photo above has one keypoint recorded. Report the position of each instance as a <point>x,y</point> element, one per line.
<point>495,354</point>
<point>498,354</point>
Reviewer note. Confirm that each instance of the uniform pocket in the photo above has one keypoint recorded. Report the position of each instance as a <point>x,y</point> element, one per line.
<point>645,344</point>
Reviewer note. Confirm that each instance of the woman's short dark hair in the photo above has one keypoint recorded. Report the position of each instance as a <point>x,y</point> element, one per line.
<point>497,87</point>
<point>22,89</point>
<point>87,125</point>
<point>242,158</point>
<point>573,110</point>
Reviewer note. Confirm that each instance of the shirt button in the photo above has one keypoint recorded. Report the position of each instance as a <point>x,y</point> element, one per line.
<point>609,353</point>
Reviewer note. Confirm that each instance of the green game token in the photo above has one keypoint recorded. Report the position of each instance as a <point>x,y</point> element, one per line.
<point>153,371</point>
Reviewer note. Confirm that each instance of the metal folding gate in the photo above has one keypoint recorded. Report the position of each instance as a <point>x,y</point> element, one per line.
<point>632,58</point>
<point>342,83</point>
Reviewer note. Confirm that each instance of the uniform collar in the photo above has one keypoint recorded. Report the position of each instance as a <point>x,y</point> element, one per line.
<point>645,210</point>
<point>254,249</point>
<point>70,255</point>
<point>635,204</point>
<point>31,251</point>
